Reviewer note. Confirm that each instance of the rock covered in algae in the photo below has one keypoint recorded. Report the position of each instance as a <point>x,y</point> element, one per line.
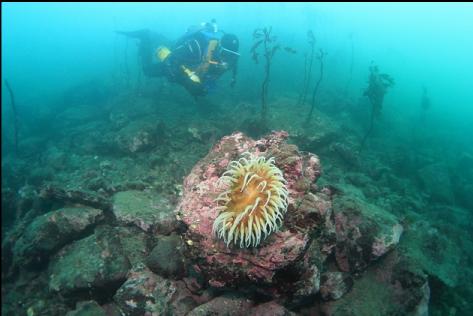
<point>335,285</point>
<point>391,287</point>
<point>224,305</point>
<point>146,293</point>
<point>151,213</point>
<point>271,308</point>
<point>166,258</point>
<point>96,263</point>
<point>49,232</point>
<point>364,233</point>
<point>87,308</point>
<point>232,265</point>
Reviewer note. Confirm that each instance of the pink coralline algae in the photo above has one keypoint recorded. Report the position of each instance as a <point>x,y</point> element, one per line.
<point>232,265</point>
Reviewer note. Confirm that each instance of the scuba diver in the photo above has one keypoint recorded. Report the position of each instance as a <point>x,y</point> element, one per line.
<point>195,61</point>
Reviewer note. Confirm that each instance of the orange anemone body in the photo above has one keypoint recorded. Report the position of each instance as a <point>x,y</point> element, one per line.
<point>254,204</point>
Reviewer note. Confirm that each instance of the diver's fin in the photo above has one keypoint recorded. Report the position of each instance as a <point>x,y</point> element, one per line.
<point>135,34</point>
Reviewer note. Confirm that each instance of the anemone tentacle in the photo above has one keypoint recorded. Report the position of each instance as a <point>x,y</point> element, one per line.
<point>254,203</point>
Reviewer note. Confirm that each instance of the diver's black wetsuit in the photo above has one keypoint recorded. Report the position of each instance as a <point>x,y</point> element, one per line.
<point>148,41</point>
<point>188,52</point>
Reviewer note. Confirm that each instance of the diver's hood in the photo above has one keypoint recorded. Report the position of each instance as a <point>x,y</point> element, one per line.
<point>230,44</point>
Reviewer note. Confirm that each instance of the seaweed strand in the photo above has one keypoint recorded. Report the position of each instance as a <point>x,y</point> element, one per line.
<point>308,61</point>
<point>320,57</point>
<point>264,86</point>
<point>303,91</point>
<point>263,37</point>
<point>378,85</point>
<point>368,133</point>
<point>311,40</point>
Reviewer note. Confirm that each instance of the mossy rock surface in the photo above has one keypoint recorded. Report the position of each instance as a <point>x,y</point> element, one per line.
<point>167,258</point>
<point>365,232</point>
<point>148,211</point>
<point>145,293</point>
<point>87,308</point>
<point>93,263</point>
<point>49,232</point>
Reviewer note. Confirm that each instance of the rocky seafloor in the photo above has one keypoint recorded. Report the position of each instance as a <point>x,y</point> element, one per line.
<point>111,214</point>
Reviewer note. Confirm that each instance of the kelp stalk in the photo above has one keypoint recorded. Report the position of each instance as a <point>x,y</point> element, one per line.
<point>320,57</point>
<point>265,84</point>
<point>262,37</point>
<point>377,88</point>
<point>308,61</point>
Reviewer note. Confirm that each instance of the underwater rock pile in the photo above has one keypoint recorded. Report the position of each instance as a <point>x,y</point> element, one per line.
<point>49,232</point>
<point>225,266</point>
<point>137,251</point>
<point>292,263</point>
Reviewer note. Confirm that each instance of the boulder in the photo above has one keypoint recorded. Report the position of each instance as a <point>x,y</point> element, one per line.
<point>145,293</point>
<point>335,285</point>
<point>391,287</point>
<point>166,258</point>
<point>229,305</point>
<point>438,254</point>
<point>49,232</point>
<point>138,136</point>
<point>150,212</point>
<point>87,308</point>
<point>95,264</point>
<point>306,212</point>
<point>364,232</point>
<point>271,308</point>
<point>134,243</point>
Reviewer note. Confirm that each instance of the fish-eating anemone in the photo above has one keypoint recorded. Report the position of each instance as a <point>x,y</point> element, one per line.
<point>254,203</point>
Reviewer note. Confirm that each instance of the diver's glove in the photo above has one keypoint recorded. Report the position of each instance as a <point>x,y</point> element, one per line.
<point>232,83</point>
